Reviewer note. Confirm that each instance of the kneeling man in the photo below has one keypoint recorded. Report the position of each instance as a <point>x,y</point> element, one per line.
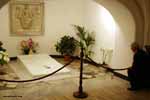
<point>137,70</point>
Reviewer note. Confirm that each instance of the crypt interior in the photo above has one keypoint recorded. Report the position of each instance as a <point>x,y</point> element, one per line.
<point>33,32</point>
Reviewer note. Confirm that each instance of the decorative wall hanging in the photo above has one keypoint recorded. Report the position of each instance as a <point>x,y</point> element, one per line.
<point>26,18</point>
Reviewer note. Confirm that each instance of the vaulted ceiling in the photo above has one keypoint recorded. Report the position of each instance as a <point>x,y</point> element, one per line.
<point>140,12</point>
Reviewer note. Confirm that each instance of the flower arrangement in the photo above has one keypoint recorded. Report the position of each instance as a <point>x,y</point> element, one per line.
<point>28,46</point>
<point>4,59</point>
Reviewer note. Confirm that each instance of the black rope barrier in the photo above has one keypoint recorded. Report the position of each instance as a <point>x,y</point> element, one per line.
<point>102,65</point>
<point>120,69</point>
<point>42,77</point>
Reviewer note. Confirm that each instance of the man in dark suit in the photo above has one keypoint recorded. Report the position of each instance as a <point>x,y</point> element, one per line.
<point>136,73</point>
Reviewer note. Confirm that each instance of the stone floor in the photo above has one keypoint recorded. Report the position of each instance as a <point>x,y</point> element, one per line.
<point>14,71</point>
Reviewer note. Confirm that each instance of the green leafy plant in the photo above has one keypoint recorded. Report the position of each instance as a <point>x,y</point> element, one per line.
<point>66,46</point>
<point>86,39</point>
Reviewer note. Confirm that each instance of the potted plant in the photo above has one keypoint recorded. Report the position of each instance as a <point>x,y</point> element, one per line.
<point>66,46</point>
<point>86,40</point>
<point>28,46</point>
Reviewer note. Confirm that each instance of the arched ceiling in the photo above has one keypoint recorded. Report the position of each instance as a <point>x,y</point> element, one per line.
<point>139,10</point>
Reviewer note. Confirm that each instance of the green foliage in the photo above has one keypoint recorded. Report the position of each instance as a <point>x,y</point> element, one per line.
<point>2,62</point>
<point>86,39</point>
<point>66,46</point>
<point>4,59</point>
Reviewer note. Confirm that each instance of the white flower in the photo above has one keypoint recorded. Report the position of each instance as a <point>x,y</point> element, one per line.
<point>6,58</point>
<point>1,52</point>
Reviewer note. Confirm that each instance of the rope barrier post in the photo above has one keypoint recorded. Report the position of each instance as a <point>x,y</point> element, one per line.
<point>80,93</point>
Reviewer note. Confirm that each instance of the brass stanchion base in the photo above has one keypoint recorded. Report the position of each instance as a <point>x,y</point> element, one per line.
<point>80,94</point>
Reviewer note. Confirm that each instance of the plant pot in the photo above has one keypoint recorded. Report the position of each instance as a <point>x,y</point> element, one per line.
<point>67,57</point>
<point>26,51</point>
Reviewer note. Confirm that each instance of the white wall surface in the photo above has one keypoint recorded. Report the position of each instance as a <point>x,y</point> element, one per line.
<point>102,23</point>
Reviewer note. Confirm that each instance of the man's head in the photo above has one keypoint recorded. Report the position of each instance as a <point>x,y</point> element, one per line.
<point>135,46</point>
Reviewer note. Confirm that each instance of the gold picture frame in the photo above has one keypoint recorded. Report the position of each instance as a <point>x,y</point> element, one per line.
<point>26,18</point>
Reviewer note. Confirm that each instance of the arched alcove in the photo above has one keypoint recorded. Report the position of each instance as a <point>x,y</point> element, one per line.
<point>124,32</point>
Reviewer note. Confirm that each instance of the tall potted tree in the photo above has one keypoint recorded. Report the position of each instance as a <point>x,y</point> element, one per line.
<point>66,46</point>
<point>86,40</point>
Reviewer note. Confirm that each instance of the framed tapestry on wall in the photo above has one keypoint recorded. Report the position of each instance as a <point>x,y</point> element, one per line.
<point>26,18</point>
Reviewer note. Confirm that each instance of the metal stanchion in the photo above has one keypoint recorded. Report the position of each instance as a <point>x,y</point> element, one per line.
<point>80,93</point>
